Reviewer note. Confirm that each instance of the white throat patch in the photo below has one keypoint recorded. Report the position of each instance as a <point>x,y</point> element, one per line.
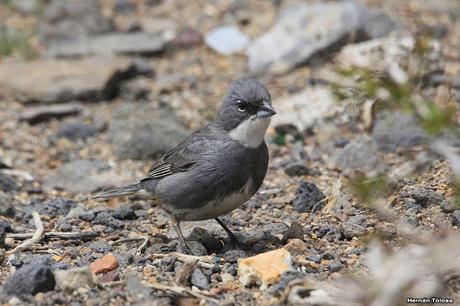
<point>251,132</point>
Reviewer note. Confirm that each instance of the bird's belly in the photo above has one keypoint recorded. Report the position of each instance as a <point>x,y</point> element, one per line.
<point>218,207</point>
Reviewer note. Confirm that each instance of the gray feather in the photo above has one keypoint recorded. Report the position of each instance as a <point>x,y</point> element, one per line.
<point>118,192</point>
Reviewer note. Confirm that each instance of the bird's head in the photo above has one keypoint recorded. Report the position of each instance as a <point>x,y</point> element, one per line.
<point>246,111</point>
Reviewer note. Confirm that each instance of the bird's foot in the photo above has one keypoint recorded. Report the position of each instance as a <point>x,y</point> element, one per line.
<point>186,249</point>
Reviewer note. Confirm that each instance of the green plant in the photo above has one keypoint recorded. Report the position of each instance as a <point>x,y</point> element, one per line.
<point>16,43</point>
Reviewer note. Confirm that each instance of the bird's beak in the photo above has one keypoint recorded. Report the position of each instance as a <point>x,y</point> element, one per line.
<point>265,110</point>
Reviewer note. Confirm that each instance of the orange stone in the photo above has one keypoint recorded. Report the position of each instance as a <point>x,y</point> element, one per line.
<point>264,269</point>
<point>105,264</point>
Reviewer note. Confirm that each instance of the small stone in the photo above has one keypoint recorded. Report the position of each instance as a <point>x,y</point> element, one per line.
<point>295,246</point>
<point>26,6</point>
<point>105,218</point>
<point>354,227</point>
<point>304,31</point>
<point>169,83</point>
<point>108,277</point>
<point>264,269</point>
<point>305,108</point>
<point>296,169</point>
<point>187,38</point>
<point>67,19</point>
<point>226,278</point>
<point>201,235</point>
<point>143,132</point>
<point>80,212</point>
<point>124,212</point>
<point>137,89</point>
<point>137,289</point>
<point>9,243</point>
<point>411,215</point>
<point>232,256</point>
<point>139,43</point>
<point>328,256</point>
<point>79,176</point>
<point>448,206</point>
<point>425,196</point>
<point>76,130</point>
<point>105,264</point>
<point>7,184</point>
<point>361,155</point>
<point>412,204</point>
<point>294,231</point>
<point>314,258</point>
<point>55,207</point>
<point>199,280</point>
<point>287,278</point>
<point>394,131</point>
<point>335,266</point>
<point>42,113</point>
<point>100,246</point>
<point>59,81</point>
<point>69,280</point>
<point>30,280</point>
<point>456,217</point>
<point>227,40</point>
<point>307,196</point>
<point>197,248</point>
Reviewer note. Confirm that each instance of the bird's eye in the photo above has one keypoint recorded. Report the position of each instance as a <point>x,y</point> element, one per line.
<point>241,105</point>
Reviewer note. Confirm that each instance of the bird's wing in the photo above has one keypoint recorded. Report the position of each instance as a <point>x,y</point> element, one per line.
<point>181,158</point>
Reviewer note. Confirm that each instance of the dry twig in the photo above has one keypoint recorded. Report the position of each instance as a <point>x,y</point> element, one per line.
<point>63,235</point>
<point>181,291</point>
<point>203,261</point>
<point>36,237</point>
<point>140,249</point>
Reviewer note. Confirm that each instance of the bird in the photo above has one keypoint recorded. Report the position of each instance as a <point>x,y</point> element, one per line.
<point>218,167</point>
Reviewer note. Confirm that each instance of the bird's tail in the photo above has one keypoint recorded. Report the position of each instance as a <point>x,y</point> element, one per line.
<point>118,192</point>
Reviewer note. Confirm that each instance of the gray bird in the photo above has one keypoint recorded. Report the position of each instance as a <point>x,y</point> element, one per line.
<point>218,167</point>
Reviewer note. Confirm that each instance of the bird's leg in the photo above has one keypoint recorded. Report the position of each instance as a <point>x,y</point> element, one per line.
<point>232,237</point>
<point>183,244</point>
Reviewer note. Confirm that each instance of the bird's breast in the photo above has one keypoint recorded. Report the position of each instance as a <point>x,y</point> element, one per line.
<point>219,206</point>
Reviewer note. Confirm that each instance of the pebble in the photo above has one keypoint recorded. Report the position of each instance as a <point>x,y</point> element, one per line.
<point>105,218</point>
<point>201,235</point>
<point>456,217</point>
<point>81,213</point>
<point>425,196</point>
<point>105,264</point>
<point>199,280</point>
<point>124,212</point>
<point>43,113</point>
<point>232,256</point>
<point>294,231</point>
<point>296,169</point>
<point>307,196</point>
<point>295,246</point>
<point>397,131</point>
<point>354,227</point>
<point>76,130</point>
<point>100,246</point>
<point>227,40</point>
<point>30,280</point>
<point>264,269</point>
<point>361,154</point>
<point>335,266</point>
<point>285,279</point>
<point>69,280</point>
<point>226,278</point>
